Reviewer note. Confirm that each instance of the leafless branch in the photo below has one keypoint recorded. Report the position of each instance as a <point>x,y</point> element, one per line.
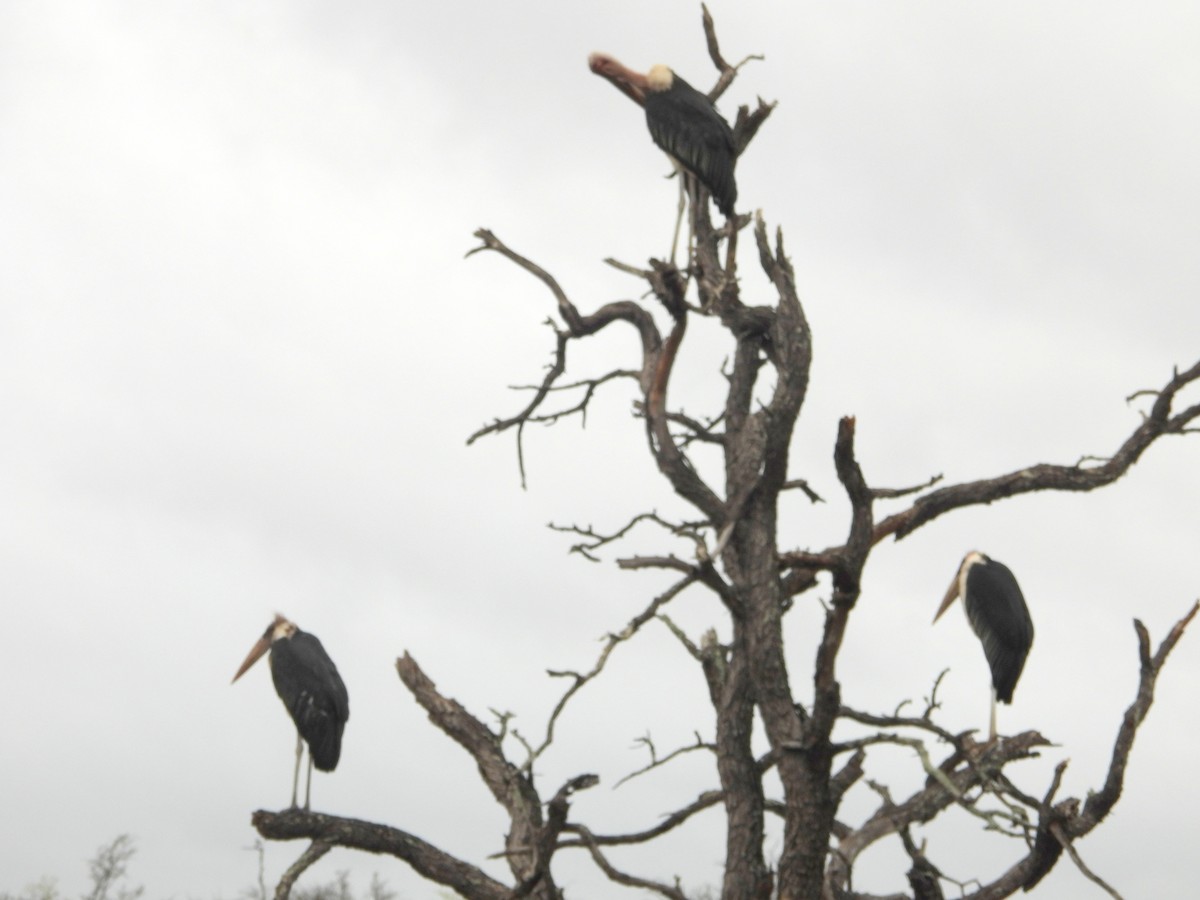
<point>610,643</point>
<point>657,761</point>
<point>728,72</point>
<point>803,485</point>
<point>817,562</point>
<point>521,418</point>
<point>596,540</point>
<point>1042,477</point>
<point>508,784</point>
<point>311,854</point>
<point>425,859</point>
<point>578,326</point>
<point>848,775</point>
<point>923,876</point>
<point>589,387</point>
<point>705,801</point>
<point>668,455</point>
<point>674,563</point>
<point>1069,846</point>
<point>701,571</point>
<point>1100,803</point>
<point>749,122</point>
<point>697,430</point>
<point>846,578</point>
<point>621,877</point>
<point>949,784</point>
<point>644,274</point>
<point>923,723</point>
<point>695,652</point>
<point>547,841</point>
<point>931,702</point>
<point>893,493</point>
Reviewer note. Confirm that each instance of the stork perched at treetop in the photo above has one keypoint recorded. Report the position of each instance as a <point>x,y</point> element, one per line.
<point>683,122</point>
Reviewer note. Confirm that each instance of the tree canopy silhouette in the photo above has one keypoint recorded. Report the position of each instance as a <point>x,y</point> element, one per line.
<point>816,739</point>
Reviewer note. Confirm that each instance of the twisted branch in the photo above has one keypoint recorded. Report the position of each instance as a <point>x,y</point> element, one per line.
<point>336,831</point>
<point>1158,422</point>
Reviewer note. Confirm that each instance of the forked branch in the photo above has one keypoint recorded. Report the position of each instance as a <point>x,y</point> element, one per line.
<point>1100,803</point>
<point>335,831</point>
<point>616,875</point>
<point>509,785</point>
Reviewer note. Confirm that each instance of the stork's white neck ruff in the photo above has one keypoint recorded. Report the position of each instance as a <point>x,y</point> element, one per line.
<point>971,560</point>
<point>660,78</point>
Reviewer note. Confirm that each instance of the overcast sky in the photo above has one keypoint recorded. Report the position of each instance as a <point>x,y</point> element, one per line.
<point>240,353</point>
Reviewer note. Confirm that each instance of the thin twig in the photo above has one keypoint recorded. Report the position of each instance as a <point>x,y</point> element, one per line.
<point>311,854</point>
<point>656,762</point>
<point>1069,846</point>
<point>614,874</point>
<point>610,643</point>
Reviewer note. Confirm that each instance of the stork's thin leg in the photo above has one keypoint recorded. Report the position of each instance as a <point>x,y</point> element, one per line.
<point>693,198</point>
<point>682,176</point>
<point>308,786</point>
<point>296,774</point>
<point>992,723</point>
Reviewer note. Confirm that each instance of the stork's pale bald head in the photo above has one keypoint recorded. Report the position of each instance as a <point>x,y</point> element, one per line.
<point>280,628</point>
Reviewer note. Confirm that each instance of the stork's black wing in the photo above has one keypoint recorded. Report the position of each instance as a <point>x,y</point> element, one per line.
<point>308,683</point>
<point>685,124</point>
<point>998,615</point>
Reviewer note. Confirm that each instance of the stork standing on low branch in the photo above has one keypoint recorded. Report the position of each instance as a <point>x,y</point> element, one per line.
<point>998,615</point>
<point>308,683</point>
<point>684,123</point>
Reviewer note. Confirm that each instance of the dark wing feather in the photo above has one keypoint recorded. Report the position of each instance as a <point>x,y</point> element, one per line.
<point>998,615</point>
<point>308,683</point>
<point>688,127</point>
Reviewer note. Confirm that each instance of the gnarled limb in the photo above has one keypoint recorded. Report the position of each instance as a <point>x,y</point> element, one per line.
<point>336,831</point>
<point>579,325</point>
<point>1160,421</point>
<point>547,843</point>
<point>656,760</point>
<point>614,874</point>
<point>673,820</point>
<point>594,540</point>
<point>1100,803</point>
<point>510,785</point>
<point>317,849</point>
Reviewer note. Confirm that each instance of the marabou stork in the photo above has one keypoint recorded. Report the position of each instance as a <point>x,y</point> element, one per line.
<point>684,123</point>
<point>998,616</point>
<point>308,683</point>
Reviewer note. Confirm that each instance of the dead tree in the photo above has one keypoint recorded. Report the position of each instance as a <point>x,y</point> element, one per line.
<point>739,558</point>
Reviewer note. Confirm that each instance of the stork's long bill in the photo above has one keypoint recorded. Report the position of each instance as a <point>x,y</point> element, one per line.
<point>951,596</point>
<point>683,123</point>
<point>957,586</point>
<point>279,628</point>
<point>633,84</point>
